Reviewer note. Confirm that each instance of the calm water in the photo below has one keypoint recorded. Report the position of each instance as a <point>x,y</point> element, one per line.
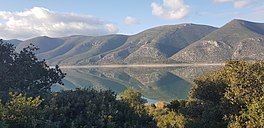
<point>162,84</point>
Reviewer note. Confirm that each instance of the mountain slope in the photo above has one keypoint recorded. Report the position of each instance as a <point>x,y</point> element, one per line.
<point>156,45</point>
<point>237,39</point>
<point>44,43</point>
<point>15,42</point>
<point>69,43</point>
<point>84,50</point>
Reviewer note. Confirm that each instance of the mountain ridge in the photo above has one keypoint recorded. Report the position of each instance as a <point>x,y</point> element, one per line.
<point>182,43</point>
<point>237,39</point>
<point>152,45</point>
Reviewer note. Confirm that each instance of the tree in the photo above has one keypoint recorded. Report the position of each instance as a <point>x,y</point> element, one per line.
<point>252,117</point>
<point>3,124</point>
<point>246,89</point>
<point>206,106</point>
<point>23,73</point>
<point>22,111</point>
<point>71,109</point>
<point>176,105</point>
<point>170,120</point>
<point>166,118</point>
<point>136,103</point>
<point>245,82</point>
<point>134,99</point>
<point>91,108</point>
<point>234,95</point>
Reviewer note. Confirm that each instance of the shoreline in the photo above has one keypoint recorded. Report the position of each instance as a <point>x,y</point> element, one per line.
<point>143,65</point>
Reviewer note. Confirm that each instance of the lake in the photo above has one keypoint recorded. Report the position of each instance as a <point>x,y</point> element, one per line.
<point>156,83</point>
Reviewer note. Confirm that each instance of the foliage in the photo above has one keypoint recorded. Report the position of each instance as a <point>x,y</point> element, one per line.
<point>134,99</point>
<point>171,120</point>
<point>166,118</point>
<point>233,93</point>
<point>70,109</point>
<point>246,82</point>
<point>246,89</point>
<point>2,112</point>
<point>176,105</point>
<point>251,117</point>
<point>90,108</point>
<point>23,73</point>
<point>22,111</point>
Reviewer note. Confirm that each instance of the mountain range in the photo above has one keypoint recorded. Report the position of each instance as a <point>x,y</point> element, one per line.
<point>183,43</point>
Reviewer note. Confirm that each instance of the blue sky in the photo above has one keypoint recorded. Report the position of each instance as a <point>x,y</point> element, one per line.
<point>117,16</point>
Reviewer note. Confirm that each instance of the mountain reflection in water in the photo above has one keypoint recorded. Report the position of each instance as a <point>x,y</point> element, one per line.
<point>164,84</point>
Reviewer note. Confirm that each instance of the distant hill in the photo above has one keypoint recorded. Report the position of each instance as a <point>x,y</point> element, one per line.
<point>44,43</point>
<point>83,50</point>
<point>237,39</point>
<point>15,42</point>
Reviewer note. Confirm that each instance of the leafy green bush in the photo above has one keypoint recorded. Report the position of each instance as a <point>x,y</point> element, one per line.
<point>134,99</point>
<point>22,111</point>
<point>166,118</point>
<point>90,108</point>
<point>234,92</point>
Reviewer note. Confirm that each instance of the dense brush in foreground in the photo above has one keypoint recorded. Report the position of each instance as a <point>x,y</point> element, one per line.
<point>231,97</point>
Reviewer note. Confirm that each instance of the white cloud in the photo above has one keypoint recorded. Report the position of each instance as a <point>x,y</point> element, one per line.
<point>170,9</point>
<point>130,21</point>
<point>237,3</point>
<point>39,21</point>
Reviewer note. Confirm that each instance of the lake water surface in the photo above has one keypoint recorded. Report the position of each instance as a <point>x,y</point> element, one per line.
<point>164,84</point>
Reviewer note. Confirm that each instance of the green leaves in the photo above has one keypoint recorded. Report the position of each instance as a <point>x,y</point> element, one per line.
<point>22,72</point>
<point>22,111</point>
<point>134,99</point>
<point>238,85</point>
<point>166,118</point>
<point>91,108</point>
